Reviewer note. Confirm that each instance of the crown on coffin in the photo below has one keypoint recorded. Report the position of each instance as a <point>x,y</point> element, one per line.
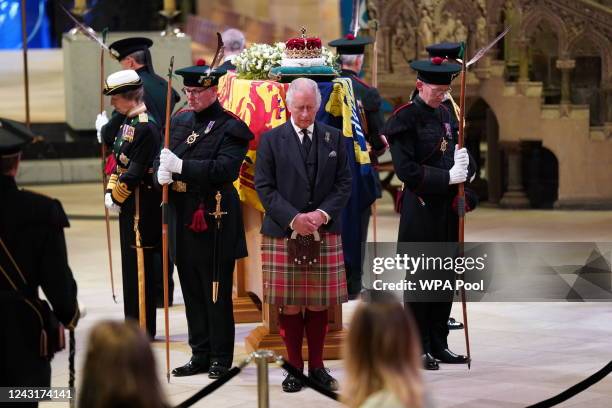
<point>303,47</point>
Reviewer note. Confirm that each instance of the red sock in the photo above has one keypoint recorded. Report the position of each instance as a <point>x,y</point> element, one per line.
<point>316,328</point>
<point>292,332</point>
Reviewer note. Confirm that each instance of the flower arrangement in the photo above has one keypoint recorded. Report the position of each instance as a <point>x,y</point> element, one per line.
<point>256,61</point>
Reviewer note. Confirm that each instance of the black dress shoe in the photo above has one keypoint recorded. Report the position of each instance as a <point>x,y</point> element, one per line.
<point>429,362</point>
<point>321,375</point>
<point>217,370</point>
<point>292,384</point>
<point>191,368</point>
<point>448,357</point>
<point>454,324</point>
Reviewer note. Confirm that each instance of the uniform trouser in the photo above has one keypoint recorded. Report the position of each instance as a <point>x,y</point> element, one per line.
<point>129,267</point>
<point>432,318</point>
<point>210,325</point>
<point>20,361</point>
<point>354,262</point>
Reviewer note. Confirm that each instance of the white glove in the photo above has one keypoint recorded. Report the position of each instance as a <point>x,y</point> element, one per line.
<point>101,120</point>
<point>458,173</point>
<point>170,162</point>
<point>110,204</point>
<point>164,176</point>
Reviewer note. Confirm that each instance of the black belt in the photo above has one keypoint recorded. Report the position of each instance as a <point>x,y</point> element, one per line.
<point>182,187</point>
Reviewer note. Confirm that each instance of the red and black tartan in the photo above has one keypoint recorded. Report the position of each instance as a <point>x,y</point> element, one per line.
<point>321,284</point>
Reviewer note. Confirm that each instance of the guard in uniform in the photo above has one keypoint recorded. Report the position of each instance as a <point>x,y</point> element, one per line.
<point>423,136</point>
<point>208,145</point>
<point>131,193</point>
<point>350,50</point>
<point>133,53</point>
<point>32,255</point>
<point>452,52</point>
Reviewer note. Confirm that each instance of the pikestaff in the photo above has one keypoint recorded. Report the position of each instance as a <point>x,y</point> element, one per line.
<point>165,221</point>
<point>375,85</point>
<point>26,79</point>
<point>89,33</point>
<point>461,192</point>
<point>104,180</point>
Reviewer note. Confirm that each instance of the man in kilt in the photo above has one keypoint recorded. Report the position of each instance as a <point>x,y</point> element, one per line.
<point>304,181</point>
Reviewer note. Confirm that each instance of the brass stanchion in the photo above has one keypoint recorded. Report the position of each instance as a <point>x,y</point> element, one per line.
<point>263,384</point>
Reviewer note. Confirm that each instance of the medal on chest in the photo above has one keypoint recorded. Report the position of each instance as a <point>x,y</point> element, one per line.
<point>128,133</point>
<point>444,143</point>
<point>193,136</point>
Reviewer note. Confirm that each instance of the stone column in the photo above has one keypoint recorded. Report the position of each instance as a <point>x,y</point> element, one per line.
<point>515,197</point>
<point>523,46</point>
<point>566,66</point>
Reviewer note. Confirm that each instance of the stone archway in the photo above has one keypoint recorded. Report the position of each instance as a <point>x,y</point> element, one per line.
<point>540,170</point>
<point>482,141</point>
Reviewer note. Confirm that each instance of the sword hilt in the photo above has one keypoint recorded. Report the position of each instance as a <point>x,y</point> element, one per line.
<point>218,213</point>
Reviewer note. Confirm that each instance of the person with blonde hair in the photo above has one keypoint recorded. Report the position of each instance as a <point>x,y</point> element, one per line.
<point>382,355</point>
<point>119,369</point>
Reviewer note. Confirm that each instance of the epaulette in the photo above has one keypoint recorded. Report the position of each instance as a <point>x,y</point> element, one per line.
<point>361,81</point>
<point>183,110</point>
<point>232,114</point>
<point>401,107</point>
<point>143,117</point>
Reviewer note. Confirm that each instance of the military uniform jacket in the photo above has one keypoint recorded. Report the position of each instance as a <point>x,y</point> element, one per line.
<point>32,228</point>
<point>422,143</point>
<point>213,144</point>
<point>370,100</point>
<point>135,146</point>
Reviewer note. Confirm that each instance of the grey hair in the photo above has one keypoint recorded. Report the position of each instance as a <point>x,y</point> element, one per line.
<point>136,95</point>
<point>349,59</point>
<point>300,84</point>
<point>139,57</point>
<point>233,40</point>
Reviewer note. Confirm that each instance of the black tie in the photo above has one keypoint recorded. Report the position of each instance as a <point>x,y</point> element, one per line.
<point>306,142</point>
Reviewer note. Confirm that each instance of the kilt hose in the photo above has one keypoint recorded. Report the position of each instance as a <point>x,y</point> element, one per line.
<point>285,283</point>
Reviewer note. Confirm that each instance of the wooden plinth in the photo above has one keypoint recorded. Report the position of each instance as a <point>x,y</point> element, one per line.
<point>245,310</point>
<point>262,339</point>
<point>267,337</point>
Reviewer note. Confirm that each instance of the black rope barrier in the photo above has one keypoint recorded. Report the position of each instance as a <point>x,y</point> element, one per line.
<point>213,386</point>
<point>308,381</point>
<point>71,376</point>
<point>575,389</point>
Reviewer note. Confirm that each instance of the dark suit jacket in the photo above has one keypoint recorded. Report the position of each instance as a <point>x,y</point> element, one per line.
<point>282,183</point>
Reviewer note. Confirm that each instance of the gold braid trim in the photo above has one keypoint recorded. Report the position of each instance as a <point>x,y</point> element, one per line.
<point>121,192</point>
<point>112,181</point>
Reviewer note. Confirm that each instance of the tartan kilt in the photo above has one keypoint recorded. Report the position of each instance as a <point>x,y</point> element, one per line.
<point>285,283</point>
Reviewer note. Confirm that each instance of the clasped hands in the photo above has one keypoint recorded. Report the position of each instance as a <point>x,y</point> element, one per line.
<point>308,223</point>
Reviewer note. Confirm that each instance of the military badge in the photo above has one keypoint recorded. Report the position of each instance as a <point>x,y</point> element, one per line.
<point>327,136</point>
<point>124,159</point>
<point>447,127</point>
<point>128,133</point>
<point>209,126</point>
<point>192,137</point>
<point>443,145</point>
<point>205,81</point>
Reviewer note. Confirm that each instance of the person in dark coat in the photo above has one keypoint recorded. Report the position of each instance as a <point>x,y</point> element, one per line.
<point>133,53</point>
<point>423,138</point>
<point>207,147</point>
<point>303,180</point>
<point>130,191</point>
<point>350,50</point>
<point>32,256</point>
<point>234,43</point>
